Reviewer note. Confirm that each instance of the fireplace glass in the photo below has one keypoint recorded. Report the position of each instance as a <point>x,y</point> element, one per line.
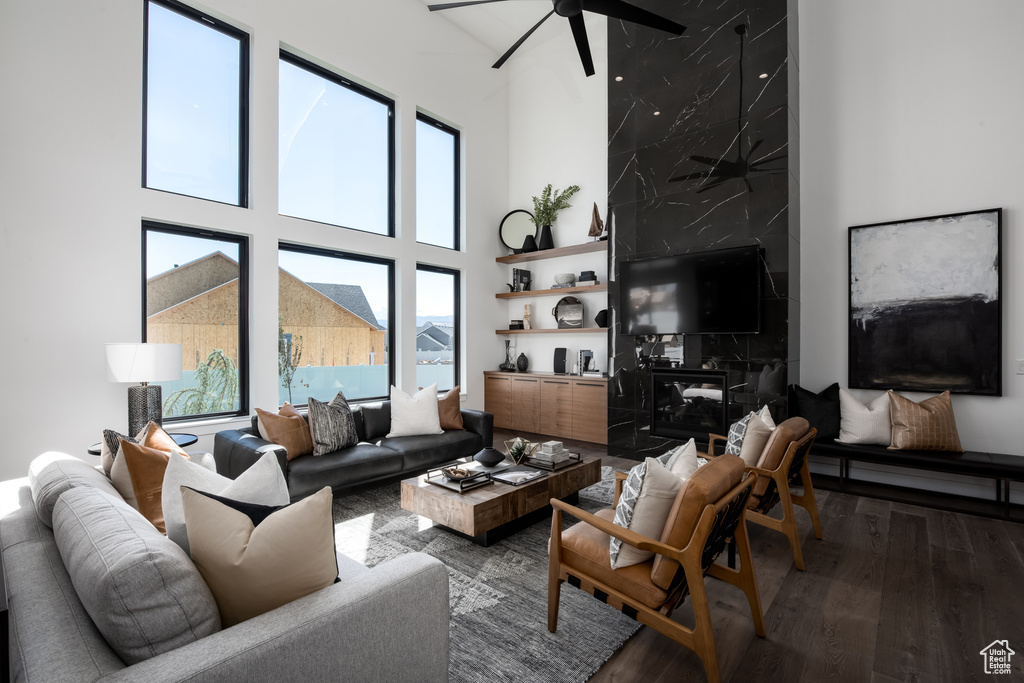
<point>689,403</point>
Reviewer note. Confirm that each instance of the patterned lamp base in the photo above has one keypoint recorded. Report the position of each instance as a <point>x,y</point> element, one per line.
<point>145,404</point>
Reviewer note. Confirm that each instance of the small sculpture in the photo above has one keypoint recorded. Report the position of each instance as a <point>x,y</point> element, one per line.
<point>526,317</point>
<point>596,224</point>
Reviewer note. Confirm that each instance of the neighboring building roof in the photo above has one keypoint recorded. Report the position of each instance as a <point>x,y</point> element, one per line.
<point>189,280</point>
<point>350,297</point>
<point>442,334</point>
<point>424,342</point>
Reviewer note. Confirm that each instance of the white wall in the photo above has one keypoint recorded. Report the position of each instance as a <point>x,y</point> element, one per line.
<point>909,109</point>
<point>558,134</point>
<point>70,135</point>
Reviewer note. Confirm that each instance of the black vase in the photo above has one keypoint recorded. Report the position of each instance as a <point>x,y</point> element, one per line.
<point>602,318</point>
<point>522,362</point>
<point>545,241</point>
<point>529,244</point>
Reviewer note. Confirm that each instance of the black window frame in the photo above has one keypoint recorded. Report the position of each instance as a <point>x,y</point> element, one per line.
<point>243,307</point>
<point>456,317</point>
<point>457,198</point>
<point>364,258</point>
<point>329,75</point>
<point>243,94</point>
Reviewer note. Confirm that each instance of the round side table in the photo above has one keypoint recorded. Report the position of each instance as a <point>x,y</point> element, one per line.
<point>182,440</point>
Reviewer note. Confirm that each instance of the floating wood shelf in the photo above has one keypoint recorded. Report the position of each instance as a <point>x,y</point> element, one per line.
<point>570,330</point>
<point>550,292</point>
<point>585,248</point>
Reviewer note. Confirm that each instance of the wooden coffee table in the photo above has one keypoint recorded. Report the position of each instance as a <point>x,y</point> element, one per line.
<point>490,513</point>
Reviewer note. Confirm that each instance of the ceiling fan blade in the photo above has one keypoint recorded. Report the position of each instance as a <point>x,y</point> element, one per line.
<point>579,32</point>
<point>617,9</point>
<point>453,5</point>
<point>504,58</point>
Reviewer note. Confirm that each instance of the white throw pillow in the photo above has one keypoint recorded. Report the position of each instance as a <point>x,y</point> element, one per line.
<point>647,497</point>
<point>263,484</point>
<point>414,415</point>
<point>759,428</point>
<point>865,424</point>
<point>682,461</point>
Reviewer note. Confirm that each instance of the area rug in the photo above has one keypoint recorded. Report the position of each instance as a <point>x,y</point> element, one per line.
<point>498,594</point>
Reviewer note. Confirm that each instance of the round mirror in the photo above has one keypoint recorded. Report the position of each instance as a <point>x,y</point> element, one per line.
<point>514,228</point>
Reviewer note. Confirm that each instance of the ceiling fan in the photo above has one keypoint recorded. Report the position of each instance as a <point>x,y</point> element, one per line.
<point>573,11</point>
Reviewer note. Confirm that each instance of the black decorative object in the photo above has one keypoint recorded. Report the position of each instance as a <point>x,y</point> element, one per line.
<point>508,365</point>
<point>925,304</point>
<point>568,313</point>
<point>489,457</point>
<point>573,11</point>
<point>602,318</point>
<point>529,244</point>
<point>514,228</point>
<point>522,363</point>
<point>559,361</point>
<point>145,405</point>
<point>545,241</point>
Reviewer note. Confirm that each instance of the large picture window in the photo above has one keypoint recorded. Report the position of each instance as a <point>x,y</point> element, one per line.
<point>195,105</point>
<point>335,325</point>
<point>437,327</point>
<point>437,183</point>
<point>195,294</point>
<point>335,149</point>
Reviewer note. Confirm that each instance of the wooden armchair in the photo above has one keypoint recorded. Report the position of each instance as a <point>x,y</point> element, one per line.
<point>708,510</point>
<point>783,460</point>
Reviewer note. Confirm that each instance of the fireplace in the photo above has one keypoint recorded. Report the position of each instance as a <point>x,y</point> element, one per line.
<point>689,403</point>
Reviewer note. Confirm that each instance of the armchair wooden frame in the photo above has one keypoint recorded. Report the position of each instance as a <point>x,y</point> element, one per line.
<point>793,466</point>
<point>716,525</point>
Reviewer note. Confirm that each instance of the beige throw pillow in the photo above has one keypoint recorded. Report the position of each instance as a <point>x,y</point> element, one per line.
<point>256,558</point>
<point>683,462</point>
<point>925,426</point>
<point>647,497</point>
<point>759,428</point>
<point>865,424</point>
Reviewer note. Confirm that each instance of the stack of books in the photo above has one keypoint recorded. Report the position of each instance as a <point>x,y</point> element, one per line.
<point>587,277</point>
<point>551,452</point>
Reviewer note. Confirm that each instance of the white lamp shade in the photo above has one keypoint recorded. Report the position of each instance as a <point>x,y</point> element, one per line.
<point>143,362</point>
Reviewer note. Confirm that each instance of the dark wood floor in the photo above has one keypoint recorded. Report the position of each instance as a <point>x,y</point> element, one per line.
<point>893,592</point>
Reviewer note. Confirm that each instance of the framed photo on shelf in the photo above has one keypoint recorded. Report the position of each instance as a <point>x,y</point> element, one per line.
<point>925,304</point>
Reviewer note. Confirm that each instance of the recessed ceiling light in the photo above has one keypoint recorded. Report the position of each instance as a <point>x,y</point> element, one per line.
<point>657,113</point>
<point>763,76</point>
<point>618,79</point>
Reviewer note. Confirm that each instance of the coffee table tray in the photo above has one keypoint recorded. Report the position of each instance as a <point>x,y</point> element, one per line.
<point>573,459</point>
<point>436,476</point>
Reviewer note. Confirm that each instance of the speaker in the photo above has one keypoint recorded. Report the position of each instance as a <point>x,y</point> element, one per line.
<point>559,361</point>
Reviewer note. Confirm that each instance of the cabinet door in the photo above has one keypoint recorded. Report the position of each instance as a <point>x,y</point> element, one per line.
<point>556,407</point>
<point>590,411</point>
<point>526,404</point>
<point>498,400</point>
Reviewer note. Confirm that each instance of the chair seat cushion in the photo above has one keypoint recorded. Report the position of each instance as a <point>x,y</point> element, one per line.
<point>586,549</point>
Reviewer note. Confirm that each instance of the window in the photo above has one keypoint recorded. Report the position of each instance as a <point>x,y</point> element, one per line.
<point>196,294</point>
<point>437,183</point>
<point>334,329</point>
<point>195,104</point>
<point>336,145</point>
<point>437,327</point>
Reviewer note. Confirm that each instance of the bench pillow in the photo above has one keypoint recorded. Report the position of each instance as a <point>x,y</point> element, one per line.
<point>140,589</point>
<point>53,473</point>
<point>925,426</point>
<point>822,410</point>
<point>864,424</point>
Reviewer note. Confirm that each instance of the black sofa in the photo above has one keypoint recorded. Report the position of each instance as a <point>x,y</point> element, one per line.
<point>374,458</point>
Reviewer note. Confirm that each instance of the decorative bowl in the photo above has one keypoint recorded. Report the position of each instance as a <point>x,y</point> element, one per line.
<point>565,278</point>
<point>456,473</point>
<point>489,457</point>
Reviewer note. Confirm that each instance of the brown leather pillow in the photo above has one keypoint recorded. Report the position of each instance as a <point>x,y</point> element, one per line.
<point>925,426</point>
<point>146,467</point>
<point>156,437</point>
<point>449,410</point>
<point>707,485</point>
<point>287,429</point>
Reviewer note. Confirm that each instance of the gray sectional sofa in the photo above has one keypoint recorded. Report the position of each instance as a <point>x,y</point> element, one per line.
<point>375,458</point>
<point>388,623</point>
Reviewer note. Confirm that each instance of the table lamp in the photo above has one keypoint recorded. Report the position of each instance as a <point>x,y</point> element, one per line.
<point>143,363</point>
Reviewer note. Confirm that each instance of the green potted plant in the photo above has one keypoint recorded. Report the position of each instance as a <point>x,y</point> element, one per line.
<point>546,208</point>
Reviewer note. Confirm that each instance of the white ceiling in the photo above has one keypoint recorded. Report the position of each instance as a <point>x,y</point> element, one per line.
<point>498,25</point>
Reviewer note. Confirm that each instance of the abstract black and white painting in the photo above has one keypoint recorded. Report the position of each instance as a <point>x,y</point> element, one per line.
<point>925,304</point>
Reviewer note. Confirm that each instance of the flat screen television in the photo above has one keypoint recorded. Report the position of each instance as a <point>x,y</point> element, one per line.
<point>707,292</point>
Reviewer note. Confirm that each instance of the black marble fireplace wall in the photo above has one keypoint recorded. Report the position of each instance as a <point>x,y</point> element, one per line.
<point>703,154</point>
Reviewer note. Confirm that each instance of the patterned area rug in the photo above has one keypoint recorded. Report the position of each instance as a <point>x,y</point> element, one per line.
<point>498,594</point>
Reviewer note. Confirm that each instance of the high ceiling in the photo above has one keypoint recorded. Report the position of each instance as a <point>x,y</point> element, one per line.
<point>500,24</point>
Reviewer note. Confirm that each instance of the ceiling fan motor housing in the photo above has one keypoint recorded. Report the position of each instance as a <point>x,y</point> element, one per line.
<point>568,8</point>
